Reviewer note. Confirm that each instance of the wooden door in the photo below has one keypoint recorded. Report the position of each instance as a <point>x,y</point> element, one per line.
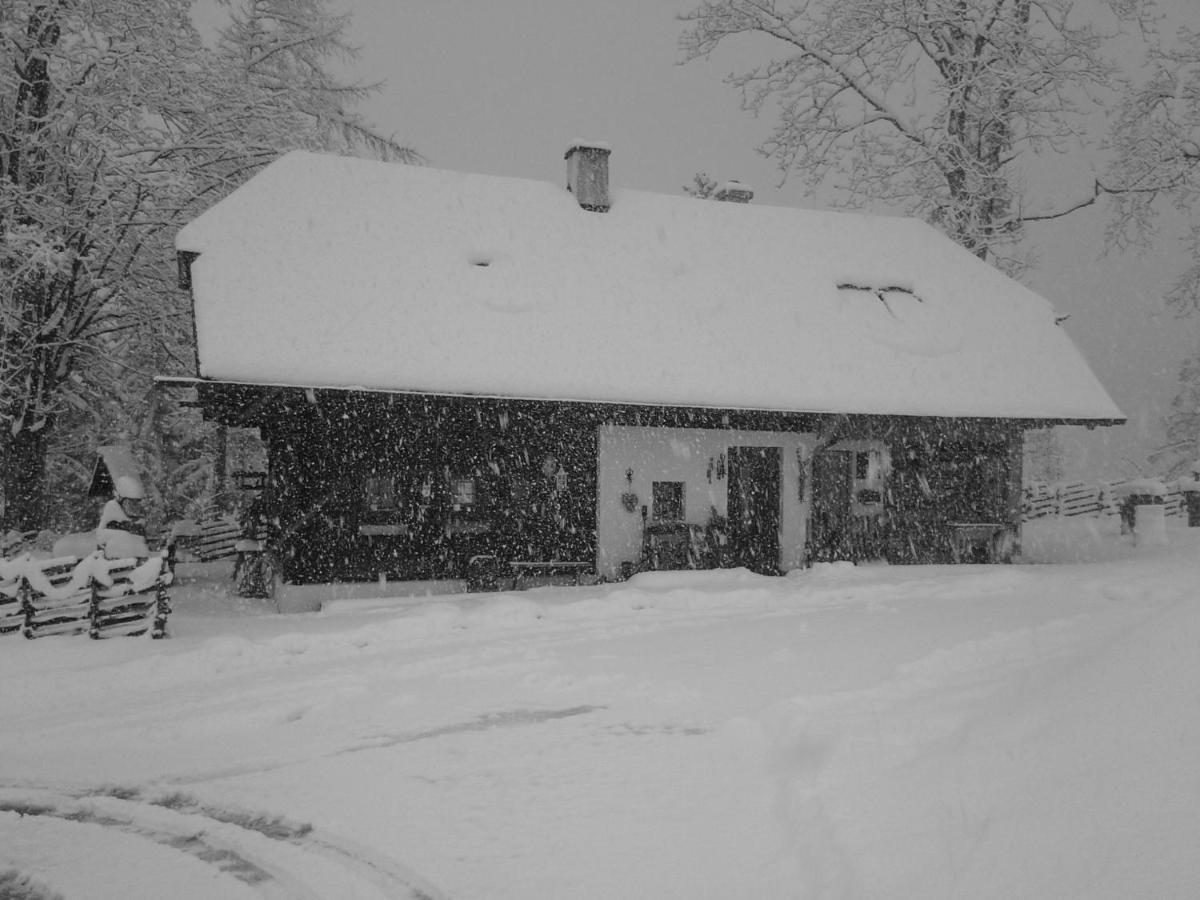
<point>754,495</point>
<point>832,486</point>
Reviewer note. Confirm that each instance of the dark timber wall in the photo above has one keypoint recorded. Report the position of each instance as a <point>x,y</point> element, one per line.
<point>364,484</point>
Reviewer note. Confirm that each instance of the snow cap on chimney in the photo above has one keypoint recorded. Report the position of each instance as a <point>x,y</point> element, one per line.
<point>587,174</point>
<point>734,192</point>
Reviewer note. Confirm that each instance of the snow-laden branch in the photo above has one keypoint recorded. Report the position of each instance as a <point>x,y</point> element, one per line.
<point>117,125</point>
<point>931,101</point>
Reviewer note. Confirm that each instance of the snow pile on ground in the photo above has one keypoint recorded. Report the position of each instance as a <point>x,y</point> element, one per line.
<point>876,732</point>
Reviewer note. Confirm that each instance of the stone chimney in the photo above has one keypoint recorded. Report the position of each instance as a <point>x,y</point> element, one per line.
<point>587,174</point>
<point>734,192</point>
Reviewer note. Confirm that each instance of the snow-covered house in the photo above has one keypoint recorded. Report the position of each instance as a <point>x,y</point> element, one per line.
<point>448,367</point>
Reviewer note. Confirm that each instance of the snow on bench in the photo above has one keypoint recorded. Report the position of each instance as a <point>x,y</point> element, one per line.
<point>69,595</point>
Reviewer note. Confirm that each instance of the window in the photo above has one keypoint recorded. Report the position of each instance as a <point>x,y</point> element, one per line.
<point>668,500</point>
<point>519,488</point>
<point>462,492</point>
<point>862,465</point>
<point>380,492</point>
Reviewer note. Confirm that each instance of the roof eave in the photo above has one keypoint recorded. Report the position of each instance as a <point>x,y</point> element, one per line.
<point>1025,421</point>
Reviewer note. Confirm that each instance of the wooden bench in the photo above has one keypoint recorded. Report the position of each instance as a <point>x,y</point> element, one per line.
<point>485,572</point>
<point>69,595</point>
<point>977,542</point>
<point>522,569</point>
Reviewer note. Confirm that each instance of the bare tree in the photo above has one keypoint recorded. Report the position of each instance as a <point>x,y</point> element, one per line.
<point>1156,163</point>
<point>925,105</point>
<point>1156,153</point>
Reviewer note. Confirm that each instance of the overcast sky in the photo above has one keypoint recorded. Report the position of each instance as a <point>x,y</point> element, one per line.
<point>502,86</point>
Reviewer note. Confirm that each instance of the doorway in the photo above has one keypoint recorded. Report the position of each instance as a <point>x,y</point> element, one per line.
<point>832,487</point>
<point>754,496</point>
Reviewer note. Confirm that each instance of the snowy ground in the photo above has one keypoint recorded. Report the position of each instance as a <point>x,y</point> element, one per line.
<point>1014,731</point>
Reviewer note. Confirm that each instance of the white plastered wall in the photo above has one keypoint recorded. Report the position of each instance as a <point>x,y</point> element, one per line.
<point>692,456</point>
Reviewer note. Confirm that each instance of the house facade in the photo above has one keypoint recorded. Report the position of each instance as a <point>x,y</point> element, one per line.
<point>456,373</point>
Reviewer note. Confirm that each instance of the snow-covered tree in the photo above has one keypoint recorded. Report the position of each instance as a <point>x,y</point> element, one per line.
<point>924,105</point>
<point>702,186</point>
<point>1156,163</point>
<point>1156,152</point>
<point>277,58</point>
<point>116,125</point>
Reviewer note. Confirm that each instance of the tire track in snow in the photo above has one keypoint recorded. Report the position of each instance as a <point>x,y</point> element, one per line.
<point>277,858</point>
<point>514,718</point>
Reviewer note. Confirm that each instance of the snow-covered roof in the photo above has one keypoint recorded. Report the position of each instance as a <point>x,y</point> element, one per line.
<point>338,272</point>
<point>115,462</point>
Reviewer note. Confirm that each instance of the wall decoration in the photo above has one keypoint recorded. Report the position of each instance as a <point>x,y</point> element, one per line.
<point>869,497</point>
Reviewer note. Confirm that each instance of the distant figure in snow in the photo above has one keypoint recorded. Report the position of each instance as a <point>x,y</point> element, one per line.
<point>122,529</point>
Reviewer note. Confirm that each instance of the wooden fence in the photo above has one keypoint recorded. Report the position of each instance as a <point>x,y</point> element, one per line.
<point>213,537</point>
<point>217,538</point>
<point>92,595</point>
<point>1082,498</point>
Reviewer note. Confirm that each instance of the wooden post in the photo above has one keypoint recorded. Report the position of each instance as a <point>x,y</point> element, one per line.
<point>221,459</point>
<point>1016,480</point>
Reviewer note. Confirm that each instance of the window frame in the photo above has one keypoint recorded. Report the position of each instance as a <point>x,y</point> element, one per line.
<point>662,502</point>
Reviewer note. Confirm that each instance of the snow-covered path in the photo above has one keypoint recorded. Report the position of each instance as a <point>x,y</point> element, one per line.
<point>848,732</point>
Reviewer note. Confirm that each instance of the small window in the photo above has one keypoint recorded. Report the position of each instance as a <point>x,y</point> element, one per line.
<point>668,501</point>
<point>380,492</point>
<point>462,492</point>
<point>519,488</point>
<point>862,465</point>
<point>249,481</point>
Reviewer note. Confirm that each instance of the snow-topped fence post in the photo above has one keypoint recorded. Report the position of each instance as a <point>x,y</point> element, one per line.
<point>1144,508</point>
<point>1190,490</point>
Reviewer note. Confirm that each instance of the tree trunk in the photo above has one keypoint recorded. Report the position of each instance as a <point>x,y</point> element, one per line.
<point>24,480</point>
<point>23,454</point>
<point>221,462</point>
